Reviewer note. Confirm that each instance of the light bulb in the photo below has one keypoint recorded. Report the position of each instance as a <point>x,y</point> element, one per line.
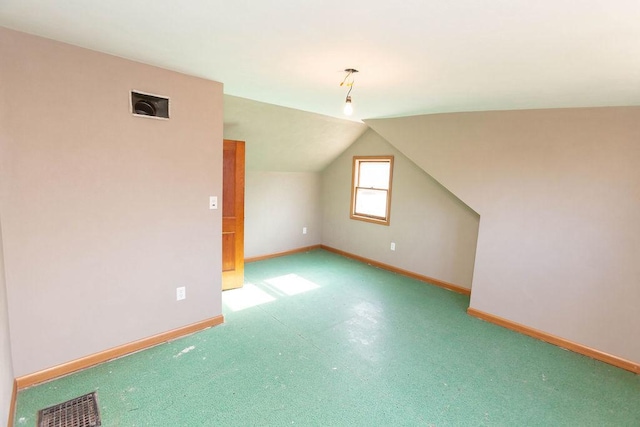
<point>348,108</point>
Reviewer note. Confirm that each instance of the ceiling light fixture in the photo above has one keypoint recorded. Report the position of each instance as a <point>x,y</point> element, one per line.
<point>348,106</point>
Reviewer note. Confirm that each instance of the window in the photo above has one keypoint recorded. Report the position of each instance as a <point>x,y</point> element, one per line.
<point>371,188</point>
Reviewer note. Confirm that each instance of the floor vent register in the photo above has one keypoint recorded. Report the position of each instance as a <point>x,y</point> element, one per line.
<point>79,412</point>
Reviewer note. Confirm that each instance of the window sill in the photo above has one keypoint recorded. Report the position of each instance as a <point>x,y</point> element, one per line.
<point>370,219</point>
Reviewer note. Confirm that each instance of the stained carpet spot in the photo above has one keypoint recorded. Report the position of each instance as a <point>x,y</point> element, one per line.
<point>79,412</point>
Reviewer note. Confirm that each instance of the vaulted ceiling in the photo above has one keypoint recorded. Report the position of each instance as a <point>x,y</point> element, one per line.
<point>414,57</point>
<point>282,61</point>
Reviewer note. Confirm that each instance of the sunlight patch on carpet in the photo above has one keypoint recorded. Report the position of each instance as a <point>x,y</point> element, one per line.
<point>292,284</point>
<point>247,296</point>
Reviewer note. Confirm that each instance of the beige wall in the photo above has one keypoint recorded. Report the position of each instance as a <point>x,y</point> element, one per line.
<point>435,234</point>
<point>558,192</point>
<point>105,213</point>
<point>285,151</point>
<point>277,206</point>
<point>6,365</point>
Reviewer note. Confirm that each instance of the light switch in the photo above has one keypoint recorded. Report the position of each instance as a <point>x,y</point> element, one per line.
<point>213,202</point>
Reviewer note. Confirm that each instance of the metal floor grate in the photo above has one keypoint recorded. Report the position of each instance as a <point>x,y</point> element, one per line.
<point>79,412</point>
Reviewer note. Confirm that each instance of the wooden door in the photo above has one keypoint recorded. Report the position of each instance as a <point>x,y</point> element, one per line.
<point>233,215</point>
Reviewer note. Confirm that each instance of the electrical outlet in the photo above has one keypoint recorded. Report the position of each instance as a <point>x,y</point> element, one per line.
<point>304,230</point>
<point>213,202</point>
<point>393,246</point>
<point>181,293</point>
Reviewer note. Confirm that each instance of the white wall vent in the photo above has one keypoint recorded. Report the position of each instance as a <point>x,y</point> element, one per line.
<point>147,105</point>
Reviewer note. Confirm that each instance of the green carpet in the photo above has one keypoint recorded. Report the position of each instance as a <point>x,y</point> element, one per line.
<point>318,339</point>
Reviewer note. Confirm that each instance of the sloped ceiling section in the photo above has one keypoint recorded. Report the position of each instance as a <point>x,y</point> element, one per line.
<point>557,192</point>
<point>447,147</point>
<point>281,139</point>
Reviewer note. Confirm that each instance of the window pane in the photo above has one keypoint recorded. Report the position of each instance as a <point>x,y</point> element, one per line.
<point>374,175</point>
<point>371,202</point>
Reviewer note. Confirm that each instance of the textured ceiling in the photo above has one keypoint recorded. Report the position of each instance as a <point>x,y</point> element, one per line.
<point>414,56</point>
